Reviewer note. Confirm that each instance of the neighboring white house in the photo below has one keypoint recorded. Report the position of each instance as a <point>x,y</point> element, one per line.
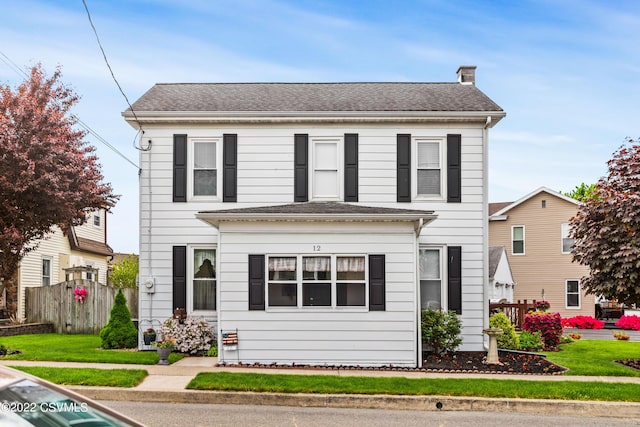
<point>315,220</point>
<point>501,281</point>
<point>82,246</point>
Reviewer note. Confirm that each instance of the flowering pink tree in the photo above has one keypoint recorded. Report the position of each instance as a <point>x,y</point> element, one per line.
<point>606,230</point>
<point>48,174</point>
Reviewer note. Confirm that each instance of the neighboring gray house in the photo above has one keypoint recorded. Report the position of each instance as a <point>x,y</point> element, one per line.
<point>316,220</point>
<point>501,281</point>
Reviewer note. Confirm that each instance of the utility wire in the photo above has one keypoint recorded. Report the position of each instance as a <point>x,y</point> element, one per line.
<point>104,55</point>
<point>4,58</point>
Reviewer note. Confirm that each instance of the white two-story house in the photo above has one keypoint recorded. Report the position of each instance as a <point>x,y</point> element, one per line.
<point>316,220</point>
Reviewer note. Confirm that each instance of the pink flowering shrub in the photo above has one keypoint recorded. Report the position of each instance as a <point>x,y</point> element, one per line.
<point>582,322</point>
<point>629,322</point>
<point>548,324</point>
<point>193,335</point>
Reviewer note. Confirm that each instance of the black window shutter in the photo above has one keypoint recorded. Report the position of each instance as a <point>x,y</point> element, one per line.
<point>180,277</point>
<point>179,168</point>
<point>454,253</point>
<point>454,169</point>
<point>230,168</point>
<point>301,168</point>
<point>351,167</point>
<point>256,282</point>
<point>404,168</point>
<point>376,283</point>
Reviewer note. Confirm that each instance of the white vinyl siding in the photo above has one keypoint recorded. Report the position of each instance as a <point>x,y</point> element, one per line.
<point>266,177</point>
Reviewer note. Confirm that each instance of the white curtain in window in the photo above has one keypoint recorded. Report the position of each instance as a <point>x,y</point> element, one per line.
<point>429,264</point>
<point>350,264</point>
<point>204,156</point>
<point>317,264</point>
<point>204,263</point>
<point>282,264</point>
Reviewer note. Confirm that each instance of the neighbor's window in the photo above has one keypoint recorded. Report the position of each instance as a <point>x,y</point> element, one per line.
<point>46,271</point>
<point>351,285</point>
<point>567,242</point>
<point>429,169</point>
<point>517,247</point>
<point>204,280</point>
<point>430,278</point>
<point>96,218</point>
<point>205,174</point>
<point>326,173</point>
<point>573,294</point>
<point>283,285</point>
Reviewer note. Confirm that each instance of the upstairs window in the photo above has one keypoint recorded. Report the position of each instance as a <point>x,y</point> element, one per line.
<point>517,233</point>
<point>326,173</point>
<point>429,168</point>
<point>567,242</point>
<point>96,218</point>
<point>205,168</point>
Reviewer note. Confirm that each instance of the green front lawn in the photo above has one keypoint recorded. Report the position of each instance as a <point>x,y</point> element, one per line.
<point>524,389</point>
<point>596,358</point>
<point>87,376</point>
<point>75,348</point>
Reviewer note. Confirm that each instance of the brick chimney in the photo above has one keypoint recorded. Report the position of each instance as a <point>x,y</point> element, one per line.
<point>467,74</point>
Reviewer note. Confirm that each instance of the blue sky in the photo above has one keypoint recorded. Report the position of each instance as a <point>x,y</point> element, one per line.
<point>567,72</point>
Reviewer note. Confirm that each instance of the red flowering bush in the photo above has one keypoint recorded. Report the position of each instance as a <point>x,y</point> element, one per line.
<point>629,322</point>
<point>582,322</point>
<point>548,324</point>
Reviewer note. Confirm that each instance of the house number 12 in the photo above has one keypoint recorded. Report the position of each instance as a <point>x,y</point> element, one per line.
<point>316,248</point>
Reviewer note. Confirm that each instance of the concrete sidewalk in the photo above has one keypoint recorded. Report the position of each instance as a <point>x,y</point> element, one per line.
<point>167,384</point>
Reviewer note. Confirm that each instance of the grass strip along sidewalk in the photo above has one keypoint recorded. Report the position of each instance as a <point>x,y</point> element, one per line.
<point>87,376</point>
<point>523,389</point>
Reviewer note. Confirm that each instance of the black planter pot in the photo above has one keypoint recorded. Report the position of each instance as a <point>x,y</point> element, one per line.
<point>149,338</point>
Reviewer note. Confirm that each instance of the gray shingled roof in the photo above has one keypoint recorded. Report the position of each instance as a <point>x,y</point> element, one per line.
<point>495,252</point>
<point>320,97</point>
<point>320,208</point>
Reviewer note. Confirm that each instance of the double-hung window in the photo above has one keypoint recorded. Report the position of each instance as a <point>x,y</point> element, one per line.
<point>203,282</point>
<point>517,240</point>
<point>429,168</point>
<point>96,218</point>
<point>283,282</point>
<point>567,242</point>
<point>46,271</point>
<point>205,165</point>
<point>573,293</point>
<point>326,172</point>
<point>430,267</point>
<point>327,281</point>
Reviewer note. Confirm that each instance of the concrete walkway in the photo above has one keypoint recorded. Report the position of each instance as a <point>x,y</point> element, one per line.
<point>167,384</point>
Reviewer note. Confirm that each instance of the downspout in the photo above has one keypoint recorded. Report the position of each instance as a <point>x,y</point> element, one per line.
<point>485,228</point>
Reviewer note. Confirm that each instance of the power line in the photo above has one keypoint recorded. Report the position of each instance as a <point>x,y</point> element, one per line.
<point>104,55</point>
<point>4,58</point>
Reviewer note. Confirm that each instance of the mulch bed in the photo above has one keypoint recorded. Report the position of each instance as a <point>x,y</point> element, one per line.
<point>632,363</point>
<point>457,362</point>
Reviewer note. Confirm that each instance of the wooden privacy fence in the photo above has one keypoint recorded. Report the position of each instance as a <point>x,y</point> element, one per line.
<point>515,311</point>
<point>57,304</point>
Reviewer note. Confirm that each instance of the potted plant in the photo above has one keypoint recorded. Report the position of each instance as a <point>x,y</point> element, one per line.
<point>164,348</point>
<point>542,305</point>
<point>149,336</point>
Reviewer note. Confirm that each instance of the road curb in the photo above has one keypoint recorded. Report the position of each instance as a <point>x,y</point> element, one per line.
<point>417,403</point>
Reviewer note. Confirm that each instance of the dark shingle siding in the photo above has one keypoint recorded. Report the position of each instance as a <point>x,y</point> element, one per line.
<point>310,97</point>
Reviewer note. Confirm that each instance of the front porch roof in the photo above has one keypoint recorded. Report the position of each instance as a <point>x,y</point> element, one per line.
<point>319,211</point>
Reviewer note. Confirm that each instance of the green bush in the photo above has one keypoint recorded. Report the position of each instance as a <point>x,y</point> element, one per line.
<point>531,341</point>
<point>509,339</point>
<point>441,330</point>
<point>120,332</point>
